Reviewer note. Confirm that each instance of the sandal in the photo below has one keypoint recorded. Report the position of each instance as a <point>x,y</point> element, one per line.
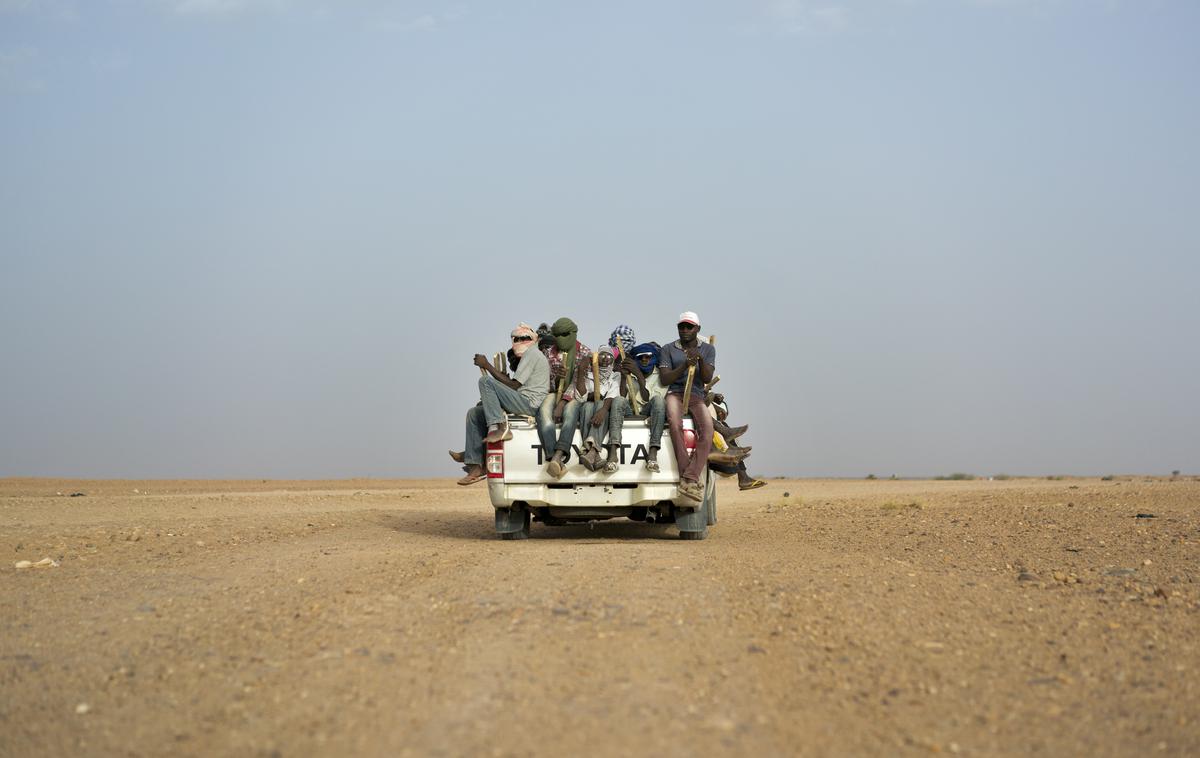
<point>610,467</point>
<point>471,478</point>
<point>691,490</point>
<point>653,467</point>
<point>752,485</point>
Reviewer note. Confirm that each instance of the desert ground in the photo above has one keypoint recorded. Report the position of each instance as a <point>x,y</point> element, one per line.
<point>383,617</point>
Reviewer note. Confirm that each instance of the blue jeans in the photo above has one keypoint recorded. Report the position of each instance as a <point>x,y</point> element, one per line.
<point>615,423</point>
<point>656,409</point>
<point>498,400</point>
<point>546,427</point>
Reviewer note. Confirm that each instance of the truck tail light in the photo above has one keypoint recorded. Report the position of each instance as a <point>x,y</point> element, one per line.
<point>494,465</point>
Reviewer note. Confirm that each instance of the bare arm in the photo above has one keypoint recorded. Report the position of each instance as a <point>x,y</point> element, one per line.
<point>483,363</point>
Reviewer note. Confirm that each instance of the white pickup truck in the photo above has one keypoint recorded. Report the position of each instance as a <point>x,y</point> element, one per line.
<point>522,491</point>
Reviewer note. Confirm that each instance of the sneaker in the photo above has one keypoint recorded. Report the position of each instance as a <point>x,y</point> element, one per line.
<point>653,467</point>
<point>499,433</point>
<point>610,467</point>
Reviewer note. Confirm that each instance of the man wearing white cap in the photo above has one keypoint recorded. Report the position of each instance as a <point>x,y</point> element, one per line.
<point>673,363</point>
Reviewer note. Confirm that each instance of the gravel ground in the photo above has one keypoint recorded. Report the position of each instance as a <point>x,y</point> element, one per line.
<point>383,617</point>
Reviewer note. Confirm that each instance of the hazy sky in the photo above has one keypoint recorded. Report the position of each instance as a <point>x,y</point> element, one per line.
<point>265,238</point>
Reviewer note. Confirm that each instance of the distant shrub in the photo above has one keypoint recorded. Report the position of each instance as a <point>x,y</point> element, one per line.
<point>893,505</point>
<point>1002,477</point>
<point>957,476</point>
<point>1108,478</point>
<point>1175,472</point>
<point>872,476</point>
<point>1054,478</point>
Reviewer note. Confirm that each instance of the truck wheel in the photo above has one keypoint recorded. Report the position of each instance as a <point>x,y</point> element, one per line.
<point>693,535</point>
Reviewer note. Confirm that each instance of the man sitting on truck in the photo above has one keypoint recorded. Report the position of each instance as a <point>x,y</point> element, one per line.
<point>649,401</point>
<point>594,416</point>
<point>568,359</point>
<point>523,394</point>
<point>674,361</point>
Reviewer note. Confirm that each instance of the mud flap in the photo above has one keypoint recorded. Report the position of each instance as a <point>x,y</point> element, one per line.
<point>695,520</point>
<point>693,524</point>
<point>514,519</point>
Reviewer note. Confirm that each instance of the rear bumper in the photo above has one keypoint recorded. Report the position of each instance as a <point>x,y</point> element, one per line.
<point>596,497</point>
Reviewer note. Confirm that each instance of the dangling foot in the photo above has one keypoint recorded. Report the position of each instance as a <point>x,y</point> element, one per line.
<point>555,467</point>
<point>499,432</point>
<point>590,458</point>
<point>458,457</point>
<point>610,465</point>
<point>691,490</point>
<point>652,461</point>
<point>731,433</point>
<point>475,473</point>
<point>747,482</point>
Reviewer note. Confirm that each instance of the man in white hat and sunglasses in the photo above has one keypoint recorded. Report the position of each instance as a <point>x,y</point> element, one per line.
<point>500,395</point>
<point>673,363</point>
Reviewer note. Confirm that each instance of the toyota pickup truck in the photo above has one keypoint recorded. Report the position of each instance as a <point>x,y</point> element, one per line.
<point>522,491</point>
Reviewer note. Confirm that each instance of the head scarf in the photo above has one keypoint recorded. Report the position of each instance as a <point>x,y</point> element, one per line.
<point>545,339</point>
<point>647,347</point>
<point>622,337</point>
<point>606,371</point>
<point>523,330</point>
<point>566,344</point>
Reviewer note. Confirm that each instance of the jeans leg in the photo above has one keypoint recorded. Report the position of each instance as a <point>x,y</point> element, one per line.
<point>658,417</point>
<point>616,419</point>
<point>546,428</point>
<point>674,403</point>
<point>704,437</point>
<point>476,430</point>
<point>566,437</point>
<point>598,431</point>
<point>500,398</point>
<point>585,419</point>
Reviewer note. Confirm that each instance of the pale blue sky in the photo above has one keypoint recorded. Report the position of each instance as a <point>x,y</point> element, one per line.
<point>264,239</point>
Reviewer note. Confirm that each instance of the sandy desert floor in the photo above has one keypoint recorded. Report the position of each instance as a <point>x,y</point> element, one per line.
<point>384,618</point>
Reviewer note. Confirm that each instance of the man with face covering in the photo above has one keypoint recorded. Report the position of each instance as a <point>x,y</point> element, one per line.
<point>673,363</point>
<point>568,360</point>
<point>594,417</point>
<point>644,396</point>
<point>523,393</point>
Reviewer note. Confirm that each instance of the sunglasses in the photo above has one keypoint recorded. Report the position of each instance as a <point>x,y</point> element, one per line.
<point>523,338</point>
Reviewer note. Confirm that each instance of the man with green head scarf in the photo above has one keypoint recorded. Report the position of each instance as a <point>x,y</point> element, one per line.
<point>568,360</point>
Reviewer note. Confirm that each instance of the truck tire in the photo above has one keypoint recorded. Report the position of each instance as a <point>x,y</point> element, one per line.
<point>693,535</point>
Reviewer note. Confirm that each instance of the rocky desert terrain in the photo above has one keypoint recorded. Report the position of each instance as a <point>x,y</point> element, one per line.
<point>821,617</point>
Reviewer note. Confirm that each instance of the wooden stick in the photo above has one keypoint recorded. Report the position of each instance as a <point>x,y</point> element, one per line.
<point>596,376</point>
<point>691,375</point>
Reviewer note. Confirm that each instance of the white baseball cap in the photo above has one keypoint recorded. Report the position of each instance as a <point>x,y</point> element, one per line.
<point>689,317</point>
